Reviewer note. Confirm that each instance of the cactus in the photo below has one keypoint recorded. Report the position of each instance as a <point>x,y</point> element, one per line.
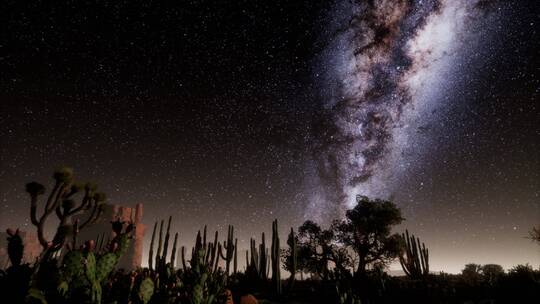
<point>173,253</point>
<point>275,256</point>
<point>60,201</point>
<point>73,264</point>
<point>15,247</point>
<point>254,260</point>
<point>105,265</point>
<point>123,241</point>
<point>100,242</point>
<point>414,258</point>
<point>263,258</point>
<point>84,272</point>
<point>259,258</point>
<point>146,290</point>
<point>160,258</point>
<point>160,244</point>
<point>166,243</point>
<point>183,255</point>
<point>235,261</point>
<point>151,252</point>
<point>258,263</point>
<point>229,249</point>
<point>213,252</point>
<point>90,273</point>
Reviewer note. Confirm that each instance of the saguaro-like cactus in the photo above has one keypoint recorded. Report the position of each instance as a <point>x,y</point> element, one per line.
<point>257,259</point>
<point>229,249</point>
<point>275,256</point>
<point>414,258</point>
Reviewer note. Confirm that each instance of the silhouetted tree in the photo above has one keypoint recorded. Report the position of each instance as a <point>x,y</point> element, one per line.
<point>367,231</point>
<point>491,273</point>
<point>535,234</point>
<point>314,248</point>
<point>472,273</point>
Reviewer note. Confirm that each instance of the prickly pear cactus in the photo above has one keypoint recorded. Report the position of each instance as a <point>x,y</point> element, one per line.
<point>91,276</point>
<point>146,290</point>
<point>90,267</point>
<point>105,266</point>
<point>123,245</point>
<point>73,264</point>
<point>15,247</point>
<point>198,295</point>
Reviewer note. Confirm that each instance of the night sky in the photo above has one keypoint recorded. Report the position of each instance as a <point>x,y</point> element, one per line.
<point>239,112</point>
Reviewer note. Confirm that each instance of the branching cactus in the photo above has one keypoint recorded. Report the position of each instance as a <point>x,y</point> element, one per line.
<point>414,257</point>
<point>257,262</point>
<point>229,249</point>
<point>61,201</point>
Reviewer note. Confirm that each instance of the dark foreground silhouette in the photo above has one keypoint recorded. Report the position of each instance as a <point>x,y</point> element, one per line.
<point>342,264</point>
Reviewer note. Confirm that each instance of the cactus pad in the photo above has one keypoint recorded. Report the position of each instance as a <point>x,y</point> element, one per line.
<point>146,290</point>
<point>105,265</point>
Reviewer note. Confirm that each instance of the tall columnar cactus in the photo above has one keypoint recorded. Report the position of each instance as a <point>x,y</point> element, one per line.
<point>235,262</point>
<point>163,265</point>
<point>183,257</point>
<point>151,252</point>
<point>257,262</point>
<point>166,244</point>
<point>160,245</point>
<point>229,249</point>
<point>263,258</point>
<point>173,253</point>
<point>61,202</point>
<point>212,252</point>
<point>209,251</point>
<point>414,258</point>
<point>254,260</point>
<point>275,256</point>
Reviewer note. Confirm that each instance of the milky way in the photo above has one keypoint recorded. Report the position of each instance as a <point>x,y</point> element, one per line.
<point>383,70</point>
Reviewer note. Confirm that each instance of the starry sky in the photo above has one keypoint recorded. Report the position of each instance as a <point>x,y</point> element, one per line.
<point>239,112</point>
